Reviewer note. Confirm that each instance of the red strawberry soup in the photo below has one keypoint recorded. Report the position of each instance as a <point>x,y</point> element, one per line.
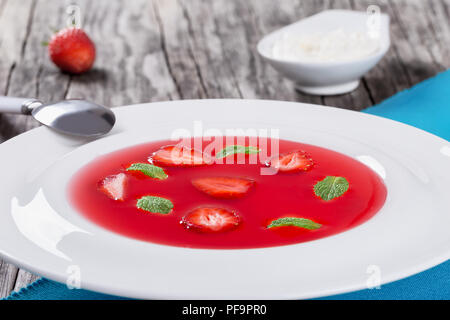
<point>175,196</point>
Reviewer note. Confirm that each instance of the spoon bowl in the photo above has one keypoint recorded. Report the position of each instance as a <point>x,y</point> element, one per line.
<point>75,117</point>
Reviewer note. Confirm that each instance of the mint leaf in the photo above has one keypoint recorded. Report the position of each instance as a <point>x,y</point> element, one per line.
<point>155,204</point>
<point>296,222</point>
<point>229,150</point>
<point>149,170</point>
<point>331,187</point>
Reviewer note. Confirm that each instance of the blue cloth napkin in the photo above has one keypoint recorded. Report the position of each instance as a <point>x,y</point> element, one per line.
<point>425,106</point>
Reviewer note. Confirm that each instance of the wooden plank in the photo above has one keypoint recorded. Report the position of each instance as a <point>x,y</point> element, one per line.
<point>8,275</point>
<point>437,15</point>
<point>412,40</point>
<point>130,66</point>
<point>176,30</point>
<point>24,278</point>
<point>207,48</point>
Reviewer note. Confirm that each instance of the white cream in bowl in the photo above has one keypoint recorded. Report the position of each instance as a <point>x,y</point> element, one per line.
<point>335,45</point>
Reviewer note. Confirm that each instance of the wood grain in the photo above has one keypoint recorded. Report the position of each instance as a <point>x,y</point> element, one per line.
<point>187,49</point>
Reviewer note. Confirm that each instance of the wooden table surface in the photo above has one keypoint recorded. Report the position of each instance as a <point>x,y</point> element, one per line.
<point>168,49</point>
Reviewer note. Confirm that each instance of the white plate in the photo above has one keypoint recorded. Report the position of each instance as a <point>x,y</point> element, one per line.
<point>42,233</point>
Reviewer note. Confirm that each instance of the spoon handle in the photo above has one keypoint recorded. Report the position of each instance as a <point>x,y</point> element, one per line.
<point>17,105</point>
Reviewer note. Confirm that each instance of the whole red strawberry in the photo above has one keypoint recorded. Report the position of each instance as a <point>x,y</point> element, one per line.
<point>72,50</point>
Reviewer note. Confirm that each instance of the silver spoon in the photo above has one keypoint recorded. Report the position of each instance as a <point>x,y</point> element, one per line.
<point>73,117</point>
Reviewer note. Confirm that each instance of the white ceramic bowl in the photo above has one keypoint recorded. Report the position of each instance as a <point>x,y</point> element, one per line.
<point>327,78</point>
<point>42,232</point>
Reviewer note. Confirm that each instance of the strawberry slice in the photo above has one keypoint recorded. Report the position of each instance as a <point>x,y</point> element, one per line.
<point>205,219</point>
<point>294,161</point>
<point>223,187</point>
<point>114,186</point>
<point>179,156</point>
